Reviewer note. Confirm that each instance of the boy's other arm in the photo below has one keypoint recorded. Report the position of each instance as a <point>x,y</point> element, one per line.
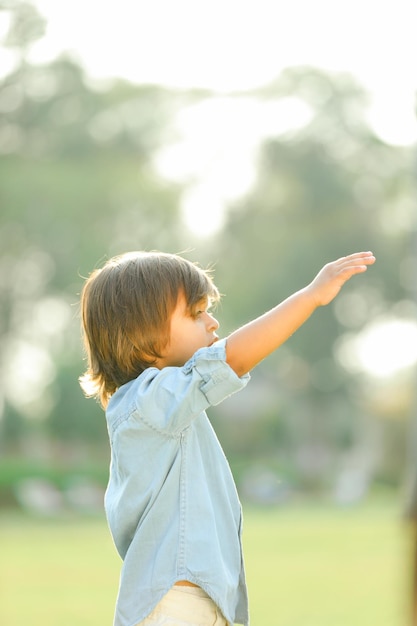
<point>251,343</point>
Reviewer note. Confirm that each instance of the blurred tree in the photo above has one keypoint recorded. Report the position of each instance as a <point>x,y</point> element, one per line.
<point>76,186</point>
<point>26,26</point>
<point>322,191</point>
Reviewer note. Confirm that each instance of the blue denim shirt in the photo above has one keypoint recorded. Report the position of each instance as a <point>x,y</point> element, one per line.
<point>171,501</point>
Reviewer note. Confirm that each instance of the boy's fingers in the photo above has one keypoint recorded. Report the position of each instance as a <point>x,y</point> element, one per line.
<point>366,256</point>
<point>362,258</point>
<point>353,264</point>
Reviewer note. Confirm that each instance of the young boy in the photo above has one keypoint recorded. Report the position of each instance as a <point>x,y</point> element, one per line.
<point>156,364</point>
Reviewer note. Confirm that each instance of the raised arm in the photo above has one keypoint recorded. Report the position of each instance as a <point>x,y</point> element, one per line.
<point>251,343</point>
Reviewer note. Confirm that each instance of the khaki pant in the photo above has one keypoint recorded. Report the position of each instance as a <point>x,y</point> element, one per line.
<point>185,606</point>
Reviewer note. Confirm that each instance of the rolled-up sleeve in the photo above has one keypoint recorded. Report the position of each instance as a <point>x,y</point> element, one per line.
<point>218,380</point>
<point>168,399</point>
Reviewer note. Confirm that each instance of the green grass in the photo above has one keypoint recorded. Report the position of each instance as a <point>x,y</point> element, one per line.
<point>306,566</point>
<point>56,572</point>
<point>328,567</point>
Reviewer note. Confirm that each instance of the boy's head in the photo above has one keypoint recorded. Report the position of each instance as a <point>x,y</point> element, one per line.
<point>126,308</point>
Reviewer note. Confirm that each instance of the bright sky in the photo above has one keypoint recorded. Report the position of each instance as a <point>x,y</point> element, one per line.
<point>235,44</point>
<point>229,45</point>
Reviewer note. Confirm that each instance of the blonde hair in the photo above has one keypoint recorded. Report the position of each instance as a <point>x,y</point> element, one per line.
<point>126,307</point>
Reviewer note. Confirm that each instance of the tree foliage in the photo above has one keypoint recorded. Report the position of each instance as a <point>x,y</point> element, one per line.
<point>77,185</point>
<point>323,191</point>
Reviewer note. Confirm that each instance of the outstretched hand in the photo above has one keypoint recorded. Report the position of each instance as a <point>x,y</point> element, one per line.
<point>251,343</point>
<point>333,276</point>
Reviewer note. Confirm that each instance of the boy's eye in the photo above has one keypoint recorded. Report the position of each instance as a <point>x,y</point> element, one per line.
<point>203,309</point>
<point>205,305</point>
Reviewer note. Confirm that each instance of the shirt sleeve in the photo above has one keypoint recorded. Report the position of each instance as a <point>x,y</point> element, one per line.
<point>169,399</point>
<point>218,380</point>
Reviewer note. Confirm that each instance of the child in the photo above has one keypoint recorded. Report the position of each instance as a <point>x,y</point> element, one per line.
<point>156,364</point>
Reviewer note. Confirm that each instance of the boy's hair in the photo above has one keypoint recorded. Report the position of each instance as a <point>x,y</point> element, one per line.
<point>126,309</point>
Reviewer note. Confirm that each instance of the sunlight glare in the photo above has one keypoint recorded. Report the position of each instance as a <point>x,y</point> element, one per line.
<point>382,349</point>
<point>30,370</point>
<point>217,152</point>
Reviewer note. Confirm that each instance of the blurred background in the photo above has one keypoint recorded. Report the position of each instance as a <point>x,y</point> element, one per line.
<point>263,139</point>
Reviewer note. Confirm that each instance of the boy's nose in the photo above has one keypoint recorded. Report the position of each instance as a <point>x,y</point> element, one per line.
<point>212,323</point>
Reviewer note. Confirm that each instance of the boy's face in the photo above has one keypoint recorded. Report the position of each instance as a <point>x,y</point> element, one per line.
<point>189,332</point>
